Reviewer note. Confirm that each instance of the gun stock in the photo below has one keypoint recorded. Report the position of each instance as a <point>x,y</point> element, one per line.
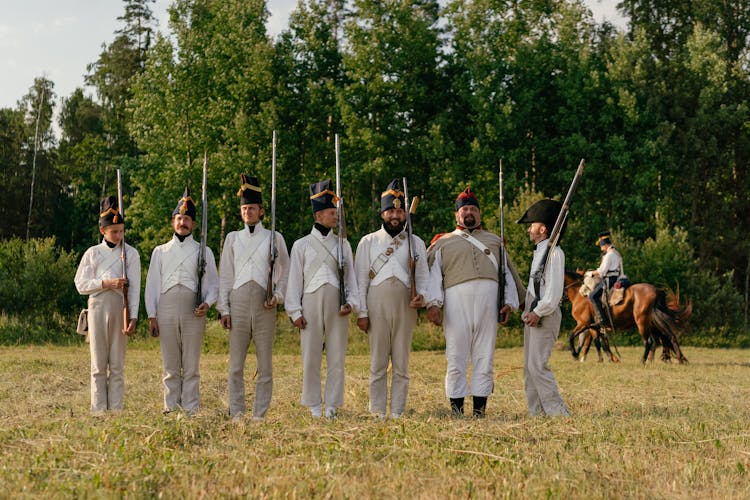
<point>123,260</point>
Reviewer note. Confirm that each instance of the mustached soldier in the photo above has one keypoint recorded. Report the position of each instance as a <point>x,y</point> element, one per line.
<point>99,276</point>
<point>243,277</point>
<point>171,287</point>
<point>312,302</point>
<point>464,273</point>
<point>387,313</point>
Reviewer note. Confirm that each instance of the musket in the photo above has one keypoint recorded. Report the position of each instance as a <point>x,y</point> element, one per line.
<point>204,231</point>
<point>123,259</point>
<point>341,228</point>
<point>554,236</point>
<point>273,250</point>
<point>411,208</point>
<point>501,268</point>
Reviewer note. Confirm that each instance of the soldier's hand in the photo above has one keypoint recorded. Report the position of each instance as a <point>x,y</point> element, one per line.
<point>345,309</point>
<point>115,283</point>
<point>363,324</point>
<point>153,327</point>
<point>130,330</point>
<point>271,304</point>
<point>531,319</point>
<point>300,322</point>
<point>201,310</point>
<point>433,314</point>
<point>226,321</point>
<point>417,302</point>
<point>504,314</point>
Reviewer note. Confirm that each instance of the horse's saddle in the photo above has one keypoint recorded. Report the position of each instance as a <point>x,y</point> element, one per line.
<point>617,293</point>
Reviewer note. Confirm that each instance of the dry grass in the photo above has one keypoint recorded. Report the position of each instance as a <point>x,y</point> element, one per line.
<point>655,431</point>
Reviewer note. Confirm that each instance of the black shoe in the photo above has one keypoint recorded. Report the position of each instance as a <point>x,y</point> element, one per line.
<point>457,407</point>
<point>480,405</point>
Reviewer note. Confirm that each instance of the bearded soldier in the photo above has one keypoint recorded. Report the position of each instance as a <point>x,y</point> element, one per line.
<point>100,276</point>
<point>608,271</point>
<point>243,280</point>
<point>464,281</point>
<point>542,320</point>
<point>314,305</point>
<point>387,312</point>
<point>171,288</point>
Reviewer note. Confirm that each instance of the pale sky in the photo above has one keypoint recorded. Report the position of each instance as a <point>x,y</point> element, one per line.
<point>58,38</point>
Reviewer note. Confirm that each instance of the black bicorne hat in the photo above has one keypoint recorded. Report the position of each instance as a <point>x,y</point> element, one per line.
<point>603,238</point>
<point>322,196</point>
<point>466,198</point>
<point>185,205</point>
<point>392,197</point>
<point>249,192</point>
<point>544,211</point>
<point>109,213</point>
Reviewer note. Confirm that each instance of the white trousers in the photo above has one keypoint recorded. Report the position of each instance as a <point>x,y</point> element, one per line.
<point>324,327</point>
<point>470,325</point>
<point>107,345</point>
<point>181,340</point>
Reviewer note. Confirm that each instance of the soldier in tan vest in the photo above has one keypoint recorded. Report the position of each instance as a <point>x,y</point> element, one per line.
<point>175,314</point>
<point>464,274</point>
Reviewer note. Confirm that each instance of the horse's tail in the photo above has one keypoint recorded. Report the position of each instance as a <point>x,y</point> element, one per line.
<point>670,318</point>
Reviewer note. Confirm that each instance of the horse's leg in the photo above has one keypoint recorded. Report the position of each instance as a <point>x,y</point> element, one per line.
<point>598,344</point>
<point>648,352</point>
<point>576,333</point>
<point>610,354</point>
<point>587,344</point>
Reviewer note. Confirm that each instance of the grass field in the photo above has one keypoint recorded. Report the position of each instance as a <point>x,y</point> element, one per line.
<point>664,431</point>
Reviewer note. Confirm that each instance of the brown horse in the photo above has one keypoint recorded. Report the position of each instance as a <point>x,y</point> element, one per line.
<point>658,317</point>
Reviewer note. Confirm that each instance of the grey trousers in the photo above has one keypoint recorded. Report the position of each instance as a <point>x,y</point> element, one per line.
<point>324,325</point>
<point>181,340</point>
<point>542,393</point>
<point>107,345</point>
<point>392,324</point>
<point>250,322</point>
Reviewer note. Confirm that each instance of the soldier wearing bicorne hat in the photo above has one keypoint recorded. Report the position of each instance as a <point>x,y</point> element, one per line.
<point>464,269</point>
<point>542,322</point>
<point>171,288</point>
<point>386,312</point>
<point>243,278</point>
<point>608,271</point>
<point>100,276</point>
<point>313,303</point>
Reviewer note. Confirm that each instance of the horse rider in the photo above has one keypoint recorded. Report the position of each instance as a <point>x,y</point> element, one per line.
<point>609,270</point>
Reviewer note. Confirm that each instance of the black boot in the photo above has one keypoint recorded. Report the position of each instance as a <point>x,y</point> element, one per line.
<point>480,405</point>
<point>457,407</point>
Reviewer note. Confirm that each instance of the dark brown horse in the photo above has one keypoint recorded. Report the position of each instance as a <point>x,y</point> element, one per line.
<point>659,318</point>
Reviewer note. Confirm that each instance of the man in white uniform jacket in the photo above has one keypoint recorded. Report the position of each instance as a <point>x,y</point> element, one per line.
<point>100,276</point>
<point>464,273</point>
<point>313,303</point>
<point>243,282</point>
<point>543,319</point>
<point>175,314</point>
<point>387,311</point>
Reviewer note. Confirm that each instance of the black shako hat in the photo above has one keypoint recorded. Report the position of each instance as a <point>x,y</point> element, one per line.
<point>466,198</point>
<point>185,205</point>
<point>544,211</point>
<point>392,197</point>
<point>109,213</point>
<point>322,196</point>
<point>249,192</point>
<point>603,238</point>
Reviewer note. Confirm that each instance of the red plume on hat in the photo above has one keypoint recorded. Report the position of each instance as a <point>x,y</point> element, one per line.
<point>466,198</point>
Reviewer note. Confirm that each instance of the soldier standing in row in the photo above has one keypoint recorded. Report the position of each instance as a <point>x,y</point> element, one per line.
<point>175,314</point>
<point>100,276</point>
<point>542,321</point>
<point>313,303</point>
<point>387,312</point>
<point>243,277</point>
<point>464,274</point>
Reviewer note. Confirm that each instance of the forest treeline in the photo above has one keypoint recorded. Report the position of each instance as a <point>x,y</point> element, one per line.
<point>438,92</point>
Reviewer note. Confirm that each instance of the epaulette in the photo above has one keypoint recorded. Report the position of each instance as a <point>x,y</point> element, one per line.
<point>437,237</point>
